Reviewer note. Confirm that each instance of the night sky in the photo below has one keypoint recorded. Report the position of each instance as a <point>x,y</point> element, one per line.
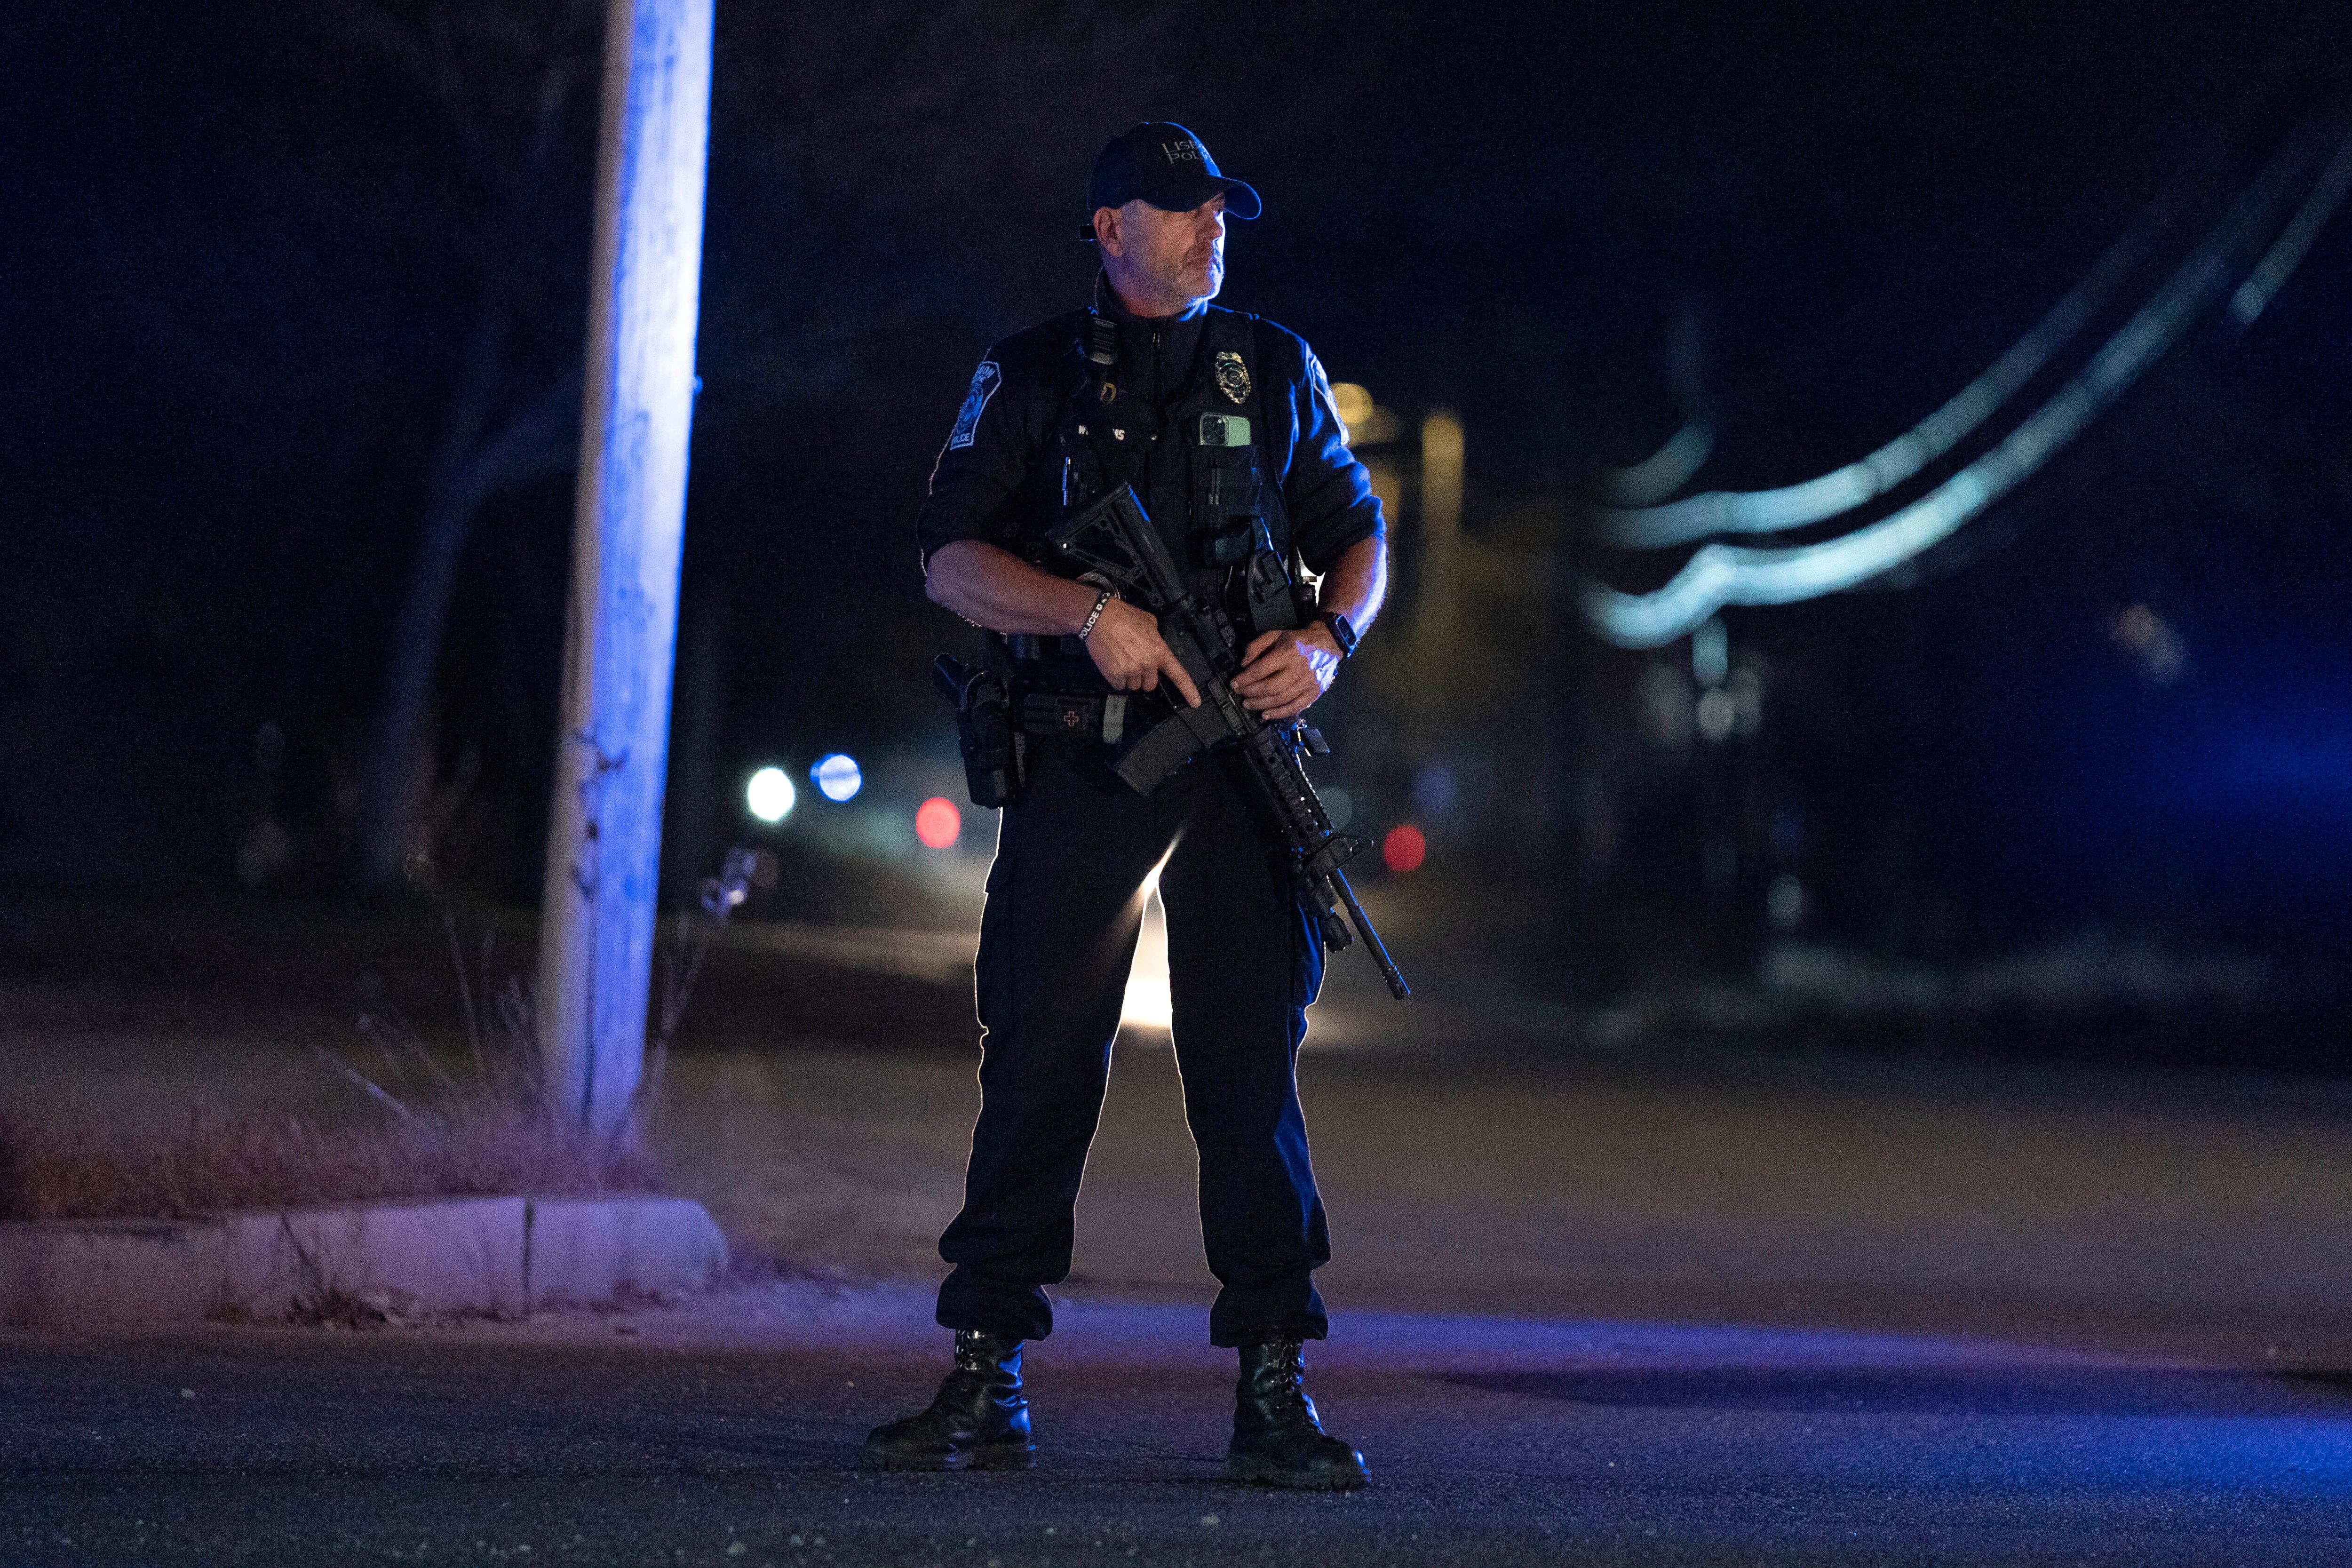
<point>254,256</point>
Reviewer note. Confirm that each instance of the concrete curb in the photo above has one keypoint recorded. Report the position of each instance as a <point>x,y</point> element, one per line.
<point>503,1257</point>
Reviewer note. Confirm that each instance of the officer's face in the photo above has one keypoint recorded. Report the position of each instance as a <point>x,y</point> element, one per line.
<point>1180,255</point>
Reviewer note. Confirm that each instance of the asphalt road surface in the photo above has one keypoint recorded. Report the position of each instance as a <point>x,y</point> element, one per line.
<point>1994,1314</point>
<point>727,1433</point>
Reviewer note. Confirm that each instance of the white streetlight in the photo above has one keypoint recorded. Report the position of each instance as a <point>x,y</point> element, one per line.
<point>770,794</point>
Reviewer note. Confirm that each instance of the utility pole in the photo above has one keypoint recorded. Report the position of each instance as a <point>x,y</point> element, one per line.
<point>604,847</point>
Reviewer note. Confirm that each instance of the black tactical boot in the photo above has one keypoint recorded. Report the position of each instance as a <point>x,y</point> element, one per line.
<point>1276,1438</point>
<point>978,1422</point>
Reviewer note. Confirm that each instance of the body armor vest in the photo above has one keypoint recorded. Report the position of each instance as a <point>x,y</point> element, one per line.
<point>1197,461</point>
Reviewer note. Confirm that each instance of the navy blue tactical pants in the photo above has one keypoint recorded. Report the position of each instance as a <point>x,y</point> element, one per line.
<point>1064,905</point>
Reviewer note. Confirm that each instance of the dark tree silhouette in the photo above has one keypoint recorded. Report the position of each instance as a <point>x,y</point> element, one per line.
<point>511,417</point>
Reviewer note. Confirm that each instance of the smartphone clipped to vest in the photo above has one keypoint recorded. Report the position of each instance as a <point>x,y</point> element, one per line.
<point>1224,430</point>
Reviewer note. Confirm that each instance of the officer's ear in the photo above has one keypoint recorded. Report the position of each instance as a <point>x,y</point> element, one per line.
<point>1106,232</point>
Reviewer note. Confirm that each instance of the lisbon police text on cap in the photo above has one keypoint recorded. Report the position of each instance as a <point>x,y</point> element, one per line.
<point>1161,162</point>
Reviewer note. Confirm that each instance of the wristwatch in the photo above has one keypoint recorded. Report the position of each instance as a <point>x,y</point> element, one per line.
<point>1341,631</point>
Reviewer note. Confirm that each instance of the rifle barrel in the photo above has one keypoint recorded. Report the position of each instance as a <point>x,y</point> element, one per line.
<point>1372,943</point>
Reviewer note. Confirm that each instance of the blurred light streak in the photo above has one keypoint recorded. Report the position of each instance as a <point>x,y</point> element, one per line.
<point>1660,474</point>
<point>837,776</point>
<point>770,794</point>
<point>1435,628</point>
<point>1858,483</point>
<point>1711,653</point>
<point>937,823</point>
<point>1670,468</point>
<point>1441,475</point>
<point>1720,575</point>
<point>2279,263</point>
<point>1403,849</point>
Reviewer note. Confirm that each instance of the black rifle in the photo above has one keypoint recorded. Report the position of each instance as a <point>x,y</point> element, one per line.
<point>1114,542</point>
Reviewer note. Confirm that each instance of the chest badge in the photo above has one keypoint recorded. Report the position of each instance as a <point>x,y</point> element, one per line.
<point>1233,375</point>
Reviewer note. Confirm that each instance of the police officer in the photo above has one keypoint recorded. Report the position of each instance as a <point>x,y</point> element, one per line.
<point>1225,425</point>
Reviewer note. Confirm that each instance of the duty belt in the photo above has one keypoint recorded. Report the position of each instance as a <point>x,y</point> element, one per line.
<point>1074,715</point>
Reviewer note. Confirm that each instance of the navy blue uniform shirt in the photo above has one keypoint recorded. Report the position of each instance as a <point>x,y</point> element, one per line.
<point>992,482</point>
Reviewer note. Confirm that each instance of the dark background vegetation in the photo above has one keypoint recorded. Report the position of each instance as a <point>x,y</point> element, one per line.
<point>287,286</point>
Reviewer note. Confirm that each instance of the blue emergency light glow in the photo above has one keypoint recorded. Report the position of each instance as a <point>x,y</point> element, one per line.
<point>837,776</point>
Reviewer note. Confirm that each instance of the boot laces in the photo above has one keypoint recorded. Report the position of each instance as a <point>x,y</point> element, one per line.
<point>1288,1394</point>
<point>980,1354</point>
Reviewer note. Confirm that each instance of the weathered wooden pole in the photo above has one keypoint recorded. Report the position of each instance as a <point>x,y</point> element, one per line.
<point>604,847</point>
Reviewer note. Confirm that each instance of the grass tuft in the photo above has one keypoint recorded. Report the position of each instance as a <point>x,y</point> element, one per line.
<point>466,1146</point>
<point>483,1132</point>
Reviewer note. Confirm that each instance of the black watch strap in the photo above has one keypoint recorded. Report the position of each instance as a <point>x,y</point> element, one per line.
<point>1341,631</point>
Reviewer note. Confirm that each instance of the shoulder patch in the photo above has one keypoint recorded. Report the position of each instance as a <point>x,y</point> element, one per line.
<point>984,382</point>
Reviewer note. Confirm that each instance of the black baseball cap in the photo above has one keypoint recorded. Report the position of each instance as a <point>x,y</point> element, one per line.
<point>1161,162</point>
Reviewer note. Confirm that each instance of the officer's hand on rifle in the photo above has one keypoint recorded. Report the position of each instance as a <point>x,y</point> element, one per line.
<point>1131,653</point>
<point>1284,672</point>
